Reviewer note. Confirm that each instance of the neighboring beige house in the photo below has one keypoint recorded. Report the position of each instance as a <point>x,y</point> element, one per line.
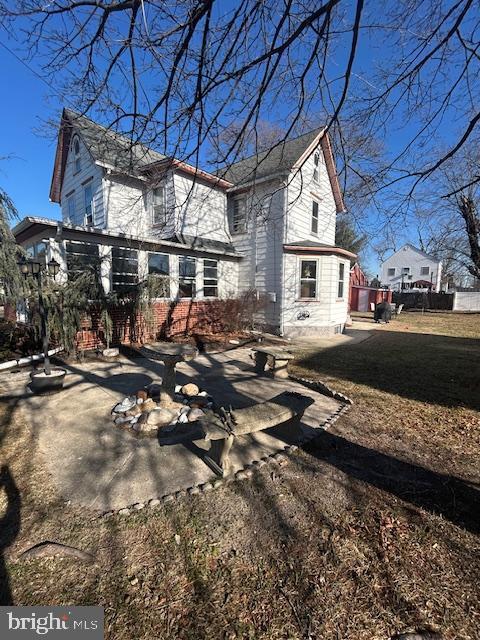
<point>409,268</point>
<point>266,223</point>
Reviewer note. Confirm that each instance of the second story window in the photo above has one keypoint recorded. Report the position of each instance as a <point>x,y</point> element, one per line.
<point>239,215</point>
<point>88,200</point>
<point>391,272</point>
<point>186,277</point>
<point>210,278</point>
<point>316,161</point>
<point>159,266</point>
<point>405,271</point>
<point>315,217</point>
<point>71,207</point>
<point>425,271</point>
<point>77,161</point>
<point>159,207</point>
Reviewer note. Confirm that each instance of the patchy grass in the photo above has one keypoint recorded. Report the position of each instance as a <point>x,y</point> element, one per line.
<point>370,530</point>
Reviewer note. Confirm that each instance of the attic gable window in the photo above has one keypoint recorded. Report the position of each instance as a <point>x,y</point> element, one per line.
<point>239,215</point>
<point>77,161</point>
<point>159,207</point>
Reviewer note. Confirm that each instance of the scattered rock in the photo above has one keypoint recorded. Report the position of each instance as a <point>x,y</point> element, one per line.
<point>198,402</point>
<point>135,410</point>
<point>190,389</point>
<point>217,484</point>
<point>139,506</point>
<point>194,490</point>
<point>125,405</point>
<point>153,503</point>
<point>178,388</point>
<point>234,342</point>
<point>134,581</point>
<point>119,420</point>
<point>153,390</point>
<point>142,395</point>
<point>241,475</point>
<point>204,394</point>
<point>148,405</point>
<point>207,487</point>
<point>124,512</point>
<point>49,549</point>
<point>168,498</point>
<point>195,414</point>
<point>142,426</point>
<point>177,539</point>
<point>160,417</point>
<point>183,417</point>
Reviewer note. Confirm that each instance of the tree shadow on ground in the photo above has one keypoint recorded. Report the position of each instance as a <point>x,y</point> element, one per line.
<point>444,495</point>
<point>429,368</point>
<point>9,529</point>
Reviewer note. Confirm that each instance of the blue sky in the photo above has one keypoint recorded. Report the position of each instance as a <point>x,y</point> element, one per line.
<point>26,174</point>
<point>27,146</point>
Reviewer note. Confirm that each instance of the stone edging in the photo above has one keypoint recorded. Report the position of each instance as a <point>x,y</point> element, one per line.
<point>248,471</point>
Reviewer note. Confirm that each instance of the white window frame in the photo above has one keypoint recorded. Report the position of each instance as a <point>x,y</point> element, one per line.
<point>159,208</point>
<point>71,209</point>
<point>239,201</point>
<point>316,279</point>
<point>316,162</point>
<point>405,271</point>
<point>210,280</point>
<point>77,159</point>
<point>391,275</point>
<point>156,275</point>
<point>88,214</point>
<point>341,280</point>
<point>193,278</point>
<point>315,218</point>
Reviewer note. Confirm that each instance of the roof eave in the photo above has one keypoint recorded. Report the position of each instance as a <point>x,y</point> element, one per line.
<point>320,250</point>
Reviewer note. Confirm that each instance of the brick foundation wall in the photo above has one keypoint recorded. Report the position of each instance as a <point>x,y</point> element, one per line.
<point>168,319</point>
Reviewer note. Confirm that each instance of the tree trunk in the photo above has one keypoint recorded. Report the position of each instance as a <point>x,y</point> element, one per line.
<point>472,225</point>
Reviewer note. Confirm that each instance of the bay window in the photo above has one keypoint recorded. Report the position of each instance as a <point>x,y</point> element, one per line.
<point>341,279</point>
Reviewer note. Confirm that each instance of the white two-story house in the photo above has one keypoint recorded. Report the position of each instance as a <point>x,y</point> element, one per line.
<point>265,224</point>
<point>409,268</point>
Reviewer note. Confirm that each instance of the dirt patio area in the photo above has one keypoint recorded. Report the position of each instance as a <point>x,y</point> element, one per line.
<point>369,530</point>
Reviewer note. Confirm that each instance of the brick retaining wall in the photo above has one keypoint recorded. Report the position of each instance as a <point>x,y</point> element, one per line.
<point>169,319</point>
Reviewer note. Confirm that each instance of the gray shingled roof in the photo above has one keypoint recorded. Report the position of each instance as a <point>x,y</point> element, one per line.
<point>110,148</point>
<point>276,160</point>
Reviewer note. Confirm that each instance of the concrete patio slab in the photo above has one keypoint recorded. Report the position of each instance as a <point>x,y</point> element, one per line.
<point>100,466</point>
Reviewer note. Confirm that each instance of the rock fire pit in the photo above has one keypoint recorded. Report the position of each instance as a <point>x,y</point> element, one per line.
<point>165,404</point>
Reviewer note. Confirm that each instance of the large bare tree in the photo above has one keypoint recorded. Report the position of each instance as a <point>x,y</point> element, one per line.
<point>174,74</point>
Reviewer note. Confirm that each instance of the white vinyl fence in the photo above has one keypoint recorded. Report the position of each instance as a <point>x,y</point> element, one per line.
<point>466,301</point>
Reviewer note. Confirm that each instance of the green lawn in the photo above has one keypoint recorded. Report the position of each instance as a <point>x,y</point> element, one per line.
<point>370,530</point>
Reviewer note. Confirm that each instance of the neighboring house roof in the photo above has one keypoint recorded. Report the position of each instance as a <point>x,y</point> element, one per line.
<point>410,246</point>
<point>284,157</point>
<point>106,147</point>
<point>32,226</point>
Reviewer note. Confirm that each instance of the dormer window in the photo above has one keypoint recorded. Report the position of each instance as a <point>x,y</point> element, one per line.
<point>77,161</point>
<point>316,161</point>
<point>159,207</point>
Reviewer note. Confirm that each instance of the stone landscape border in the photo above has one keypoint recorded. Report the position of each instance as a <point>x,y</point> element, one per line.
<point>247,472</point>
